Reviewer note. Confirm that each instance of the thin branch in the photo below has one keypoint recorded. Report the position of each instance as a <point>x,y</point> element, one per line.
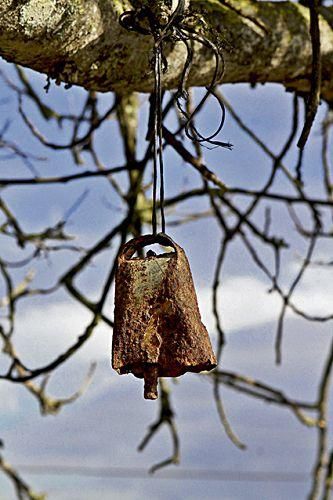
<point>166,417</point>
<point>316,73</point>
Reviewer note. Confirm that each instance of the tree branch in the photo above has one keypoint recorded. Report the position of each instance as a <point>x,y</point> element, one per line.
<point>81,42</point>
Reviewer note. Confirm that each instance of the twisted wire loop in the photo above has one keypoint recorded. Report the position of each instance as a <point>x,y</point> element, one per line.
<point>173,28</point>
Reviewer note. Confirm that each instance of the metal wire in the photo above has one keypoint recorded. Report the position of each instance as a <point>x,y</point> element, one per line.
<point>145,22</point>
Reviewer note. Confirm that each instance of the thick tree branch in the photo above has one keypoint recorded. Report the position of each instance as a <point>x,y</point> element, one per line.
<point>81,42</point>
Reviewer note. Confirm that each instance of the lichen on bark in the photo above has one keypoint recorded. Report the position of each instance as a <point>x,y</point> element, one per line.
<point>39,16</point>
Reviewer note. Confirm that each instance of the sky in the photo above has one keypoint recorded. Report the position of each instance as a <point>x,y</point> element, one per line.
<point>104,427</point>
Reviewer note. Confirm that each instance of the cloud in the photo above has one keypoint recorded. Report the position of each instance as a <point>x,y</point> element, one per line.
<point>244,301</point>
<point>11,396</point>
<point>315,292</point>
<point>44,331</point>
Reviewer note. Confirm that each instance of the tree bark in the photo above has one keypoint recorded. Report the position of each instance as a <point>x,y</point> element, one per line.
<point>81,42</point>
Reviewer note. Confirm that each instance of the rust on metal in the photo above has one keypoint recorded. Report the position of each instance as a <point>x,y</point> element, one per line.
<point>158,330</point>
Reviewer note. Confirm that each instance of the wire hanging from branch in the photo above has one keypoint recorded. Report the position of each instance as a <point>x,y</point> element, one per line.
<point>173,28</point>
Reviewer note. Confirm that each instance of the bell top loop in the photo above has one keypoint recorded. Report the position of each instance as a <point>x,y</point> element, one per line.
<point>129,249</point>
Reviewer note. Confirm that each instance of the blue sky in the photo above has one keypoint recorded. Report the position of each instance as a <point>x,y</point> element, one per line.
<point>104,427</point>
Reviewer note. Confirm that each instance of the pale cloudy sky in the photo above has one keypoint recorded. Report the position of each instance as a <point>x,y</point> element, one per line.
<point>105,426</point>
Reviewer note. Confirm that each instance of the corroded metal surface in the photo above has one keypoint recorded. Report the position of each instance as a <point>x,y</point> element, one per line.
<point>158,330</point>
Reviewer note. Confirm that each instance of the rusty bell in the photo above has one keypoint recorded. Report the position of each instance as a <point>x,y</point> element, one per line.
<point>158,330</point>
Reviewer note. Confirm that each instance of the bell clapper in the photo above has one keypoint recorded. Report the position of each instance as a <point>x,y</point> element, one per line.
<point>151,379</point>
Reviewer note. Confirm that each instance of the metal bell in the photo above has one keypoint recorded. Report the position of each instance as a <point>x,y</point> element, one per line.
<point>157,325</point>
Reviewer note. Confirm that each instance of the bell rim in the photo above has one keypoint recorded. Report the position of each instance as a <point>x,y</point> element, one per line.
<point>138,370</point>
